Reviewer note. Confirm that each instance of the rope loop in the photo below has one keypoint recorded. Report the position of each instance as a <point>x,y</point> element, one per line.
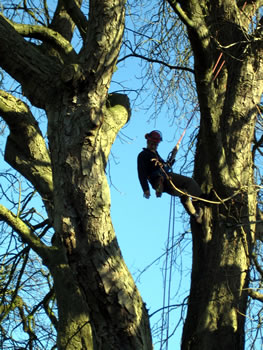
<point>220,201</point>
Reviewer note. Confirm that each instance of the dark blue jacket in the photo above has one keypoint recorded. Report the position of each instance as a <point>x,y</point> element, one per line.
<point>148,170</point>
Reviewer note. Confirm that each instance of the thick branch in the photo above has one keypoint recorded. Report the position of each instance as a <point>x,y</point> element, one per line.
<point>61,22</point>
<point>24,232</point>
<point>181,13</point>
<point>255,295</point>
<point>26,150</point>
<point>50,295</point>
<point>46,35</point>
<point>120,100</point>
<point>118,114</point>
<point>259,226</point>
<point>193,16</point>
<point>73,9</point>
<point>36,72</point>
<point>105,32</point>
<point>45,303</point>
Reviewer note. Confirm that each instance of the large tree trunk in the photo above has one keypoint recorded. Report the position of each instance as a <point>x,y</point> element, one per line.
<point>99,306</point>
<point>222,246</point>
<point>106,310</point>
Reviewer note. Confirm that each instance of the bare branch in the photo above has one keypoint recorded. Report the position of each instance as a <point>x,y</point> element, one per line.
<point>255,295</point>
<point>26,150</point>
<point>152,60</point>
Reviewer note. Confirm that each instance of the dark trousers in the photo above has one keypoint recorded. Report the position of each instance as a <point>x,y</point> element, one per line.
<point>183,183</point>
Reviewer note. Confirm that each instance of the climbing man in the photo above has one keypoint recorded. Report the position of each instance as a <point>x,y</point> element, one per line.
<point>152,168</point>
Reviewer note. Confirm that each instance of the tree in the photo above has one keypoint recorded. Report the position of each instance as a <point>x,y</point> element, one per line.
<point>98,304</point>
<point>100,309</point>
<point>229,106</point>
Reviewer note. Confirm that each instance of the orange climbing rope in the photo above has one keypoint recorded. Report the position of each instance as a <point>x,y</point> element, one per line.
<point>172,154</point>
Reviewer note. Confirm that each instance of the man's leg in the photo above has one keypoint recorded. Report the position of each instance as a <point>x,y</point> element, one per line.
<point>188,186</point>
<point>183,183</point>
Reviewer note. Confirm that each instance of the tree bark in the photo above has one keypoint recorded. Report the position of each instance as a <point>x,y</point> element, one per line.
<point>222,246</point>
<point>99,306</point>
<point>114,314</point>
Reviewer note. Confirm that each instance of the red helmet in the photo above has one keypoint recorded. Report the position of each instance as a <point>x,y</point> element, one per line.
<point>155,136</point>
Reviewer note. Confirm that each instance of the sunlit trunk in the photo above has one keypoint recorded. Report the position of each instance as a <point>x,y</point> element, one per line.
<point>222,246</point>
<point>110,312</point>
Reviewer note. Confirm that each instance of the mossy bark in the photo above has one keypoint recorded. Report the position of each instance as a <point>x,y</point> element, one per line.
<point>99,306</point>
<point>223,244</point>
<point>112,312</point>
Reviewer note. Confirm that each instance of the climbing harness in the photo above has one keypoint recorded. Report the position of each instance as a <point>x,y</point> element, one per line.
<point>220,201</point>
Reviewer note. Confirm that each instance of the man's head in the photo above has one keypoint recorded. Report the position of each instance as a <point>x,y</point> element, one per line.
<point>153,139</point>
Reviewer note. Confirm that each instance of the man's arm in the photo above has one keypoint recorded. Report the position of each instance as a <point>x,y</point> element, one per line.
<point>142,174</point>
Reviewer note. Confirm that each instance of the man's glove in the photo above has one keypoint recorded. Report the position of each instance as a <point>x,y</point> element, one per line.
<point>147,194</point>
<point>170,163</point>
